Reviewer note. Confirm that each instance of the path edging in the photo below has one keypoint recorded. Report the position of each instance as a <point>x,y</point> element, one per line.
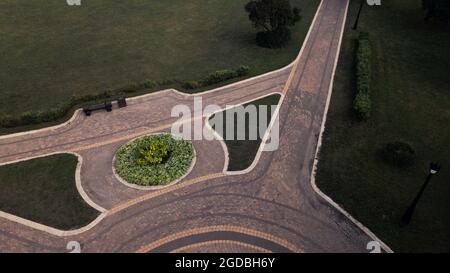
<point>263,141</point>
<point>49,229</point>
<point>319,145</point>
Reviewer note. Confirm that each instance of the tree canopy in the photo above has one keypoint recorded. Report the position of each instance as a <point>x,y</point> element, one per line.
<point>274,16</point>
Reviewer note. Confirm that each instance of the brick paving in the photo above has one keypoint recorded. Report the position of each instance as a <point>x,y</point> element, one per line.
<point>221,246</point>
<point>275,200</point>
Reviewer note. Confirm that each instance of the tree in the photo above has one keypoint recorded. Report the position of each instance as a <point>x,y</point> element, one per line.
<point>275,17</point>
<point>439,9</point>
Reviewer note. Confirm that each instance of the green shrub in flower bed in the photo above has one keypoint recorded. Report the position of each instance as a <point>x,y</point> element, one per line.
<point>154,160</point>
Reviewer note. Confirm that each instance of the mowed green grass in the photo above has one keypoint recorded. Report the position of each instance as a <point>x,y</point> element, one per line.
<point>50,51</point>
<point>242,152</point>
<point>43,190</point>
<point>411,103</point>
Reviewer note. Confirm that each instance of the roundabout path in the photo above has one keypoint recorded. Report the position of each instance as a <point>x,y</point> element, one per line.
<point>271,208</point>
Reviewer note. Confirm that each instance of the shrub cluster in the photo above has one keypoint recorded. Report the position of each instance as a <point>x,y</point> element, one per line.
<point>362,102</point>
<point>218,77</point>
<point>146,84</point>
<point>155,152</point>
<point>129,165</point>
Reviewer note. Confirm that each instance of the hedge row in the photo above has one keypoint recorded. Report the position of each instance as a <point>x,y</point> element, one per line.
<point>218,77</point>
<point>52,114</point>
<point>35,117</point>
<point>362,102</point>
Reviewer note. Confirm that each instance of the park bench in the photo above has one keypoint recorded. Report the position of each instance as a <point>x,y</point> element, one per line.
<point>89,109</point>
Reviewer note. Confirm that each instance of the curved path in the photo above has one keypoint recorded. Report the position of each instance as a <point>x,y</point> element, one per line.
<point>273,207</point>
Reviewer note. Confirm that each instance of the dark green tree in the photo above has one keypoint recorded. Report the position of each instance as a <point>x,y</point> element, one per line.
<point>439,9</point>
<point>275,17</point>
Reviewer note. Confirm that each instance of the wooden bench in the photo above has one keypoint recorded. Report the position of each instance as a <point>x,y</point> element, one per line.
<point>89,109</point>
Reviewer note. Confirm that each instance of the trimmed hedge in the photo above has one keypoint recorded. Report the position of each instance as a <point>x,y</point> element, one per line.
<point>35,117</point>
<point>129,166</point>
<point>362,105</point>
<point>362,101</point>
<point>218,77</point>
<point>52,114</point>
<point>192,85</point>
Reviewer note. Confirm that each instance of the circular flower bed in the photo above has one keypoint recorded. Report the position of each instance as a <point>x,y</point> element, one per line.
<point>154,160</point>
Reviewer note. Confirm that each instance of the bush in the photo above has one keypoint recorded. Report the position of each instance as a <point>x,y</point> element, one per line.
<point>149,84</point>
<point>29,117</point>
<point>9,121</point>
<point>130,88</point>
<point>398,154</point>
<point>165,82</point>
<point>217,77</point>
<point>242,70</point>
<point>192,85</point>
<point>362,105</point>
<point>154,152</point>
<point>128,160</point>
<point>273,39</point>
<point>49,115</point>
<point>220,76</point>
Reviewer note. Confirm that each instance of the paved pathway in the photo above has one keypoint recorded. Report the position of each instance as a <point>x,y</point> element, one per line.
<point>271,208</point>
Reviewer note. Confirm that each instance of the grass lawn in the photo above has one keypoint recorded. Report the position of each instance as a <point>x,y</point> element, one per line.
<point>411,103</point>
<point>243,152</point>
<point>43,190</point>
<point>50,51</point>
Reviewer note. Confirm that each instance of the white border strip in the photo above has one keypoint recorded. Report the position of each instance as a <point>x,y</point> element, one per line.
<point>264,139</point>
<point>52,128</point>
<point>79,187</point>
<point>319,144</point>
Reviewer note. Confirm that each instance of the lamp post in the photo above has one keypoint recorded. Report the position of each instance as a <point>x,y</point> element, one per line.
<point>355,26</point>
<point>434,169</point>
